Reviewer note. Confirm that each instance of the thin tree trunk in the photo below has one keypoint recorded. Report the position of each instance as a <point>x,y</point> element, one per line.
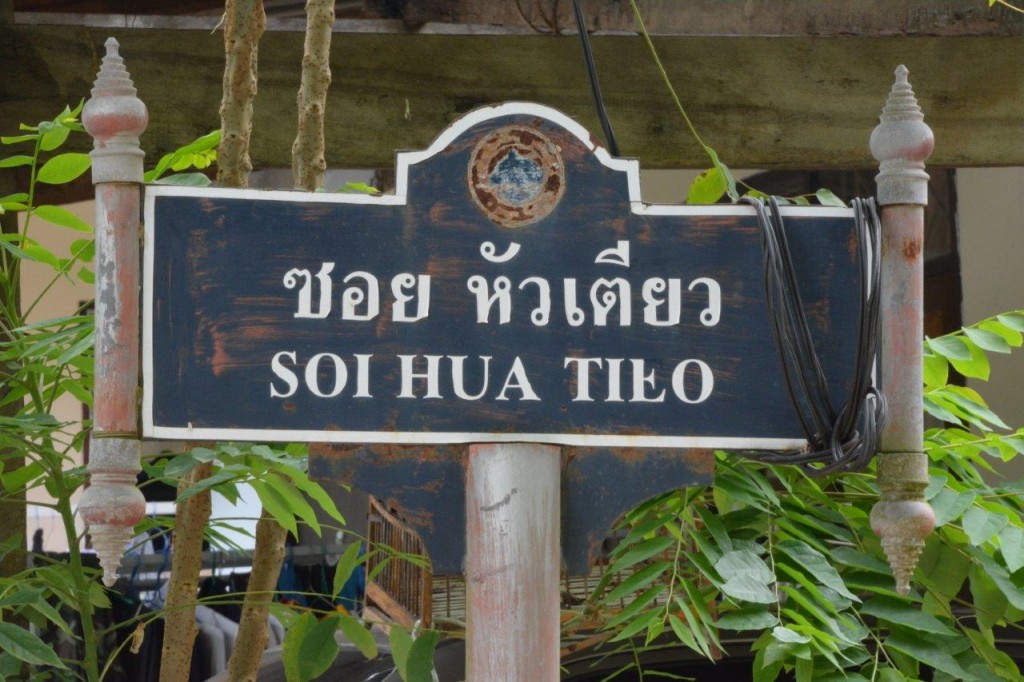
<point>252,628</point>
<point>308,164</point>
<point>180,605</point>
<point>244,23</point>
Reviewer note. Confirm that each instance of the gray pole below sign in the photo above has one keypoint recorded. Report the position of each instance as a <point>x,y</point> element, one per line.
<point>513,509</point>
<point>901,143</point>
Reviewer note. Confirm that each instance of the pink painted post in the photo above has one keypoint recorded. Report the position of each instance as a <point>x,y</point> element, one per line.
<point>513,560</point>
<point>112,504</point>
<point>901,143</point>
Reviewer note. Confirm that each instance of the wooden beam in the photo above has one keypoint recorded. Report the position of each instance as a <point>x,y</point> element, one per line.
<point>720,17</point>
<point>761,102</point>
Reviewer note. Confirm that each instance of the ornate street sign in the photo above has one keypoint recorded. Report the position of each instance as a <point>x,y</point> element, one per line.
<point>515,287</point>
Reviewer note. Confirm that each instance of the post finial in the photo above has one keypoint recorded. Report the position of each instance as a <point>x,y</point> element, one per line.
<point>115,117</point>
<point>900,143</point>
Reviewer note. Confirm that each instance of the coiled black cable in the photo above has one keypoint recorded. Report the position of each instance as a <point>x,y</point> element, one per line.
<point>847,439</point>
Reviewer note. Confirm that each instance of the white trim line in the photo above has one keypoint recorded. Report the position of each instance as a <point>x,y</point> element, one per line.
<point>454,437</point>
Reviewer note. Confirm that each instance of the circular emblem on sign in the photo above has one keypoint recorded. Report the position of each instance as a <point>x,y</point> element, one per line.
<point>516,176</point>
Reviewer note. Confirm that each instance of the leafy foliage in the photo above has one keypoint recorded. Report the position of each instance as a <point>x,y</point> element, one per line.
<point>773,551</point>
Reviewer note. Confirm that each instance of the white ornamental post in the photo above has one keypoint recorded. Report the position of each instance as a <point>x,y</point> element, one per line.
<point>112,504</point>
<point>901,143</point>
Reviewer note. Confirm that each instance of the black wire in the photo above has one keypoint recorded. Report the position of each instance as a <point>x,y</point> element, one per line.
<point>837,441</point>
<point>595,87</point>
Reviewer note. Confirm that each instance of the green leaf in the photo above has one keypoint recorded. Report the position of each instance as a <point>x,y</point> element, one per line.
<point>15,139</point>
<point>949,505</point>
<point>634,607</point>
<point>294,500</point>
<point>20,477</point>
<point>730,181</point>
<point>950,347</point>
<point>902,612</point>
<point>933,651</point>
<point>936,370</point>
<point>1011,336</point>
<point>420,662</point>
<point>292,645</point>
<point>981,525</point>
<point>827,198</point>
<point>648,620</point>
<point>275,505</point>
<point>987,340</point>
<point>401,643</point>
<point>1011,544</point>
<point>358,635</point>
<point>319,648</point>
<point>943,567</point>
<point>16,161</point>
<point>54,138</point>
<point>21,596</point>
<point>1007,585</point>
<point>809,559</point>
<point>890,675</point>
<point>204,144</point>
<point>641,552</point>
<point>784,634</point>
<point>977,367</point>
<point>27,647</point>
<point>358,188</point>
<point>744,563</point>
<point>638,580</point>
<point>41,254</point>
<point>313,489</point>
<point>185,180</point>
<point>748,618</point>
<point>933,406</point>
<point>1014,321</point>
<point>748,589</point>
<point>848,556</point>
<point>988,600</point>
<point>223,476</point>
<point>63,168</point>
<point>708,187</point>
<point>348,562</point>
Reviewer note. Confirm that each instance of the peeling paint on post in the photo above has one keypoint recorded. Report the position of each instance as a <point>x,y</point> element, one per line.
<point>901,143</point>
<point>112,504</point>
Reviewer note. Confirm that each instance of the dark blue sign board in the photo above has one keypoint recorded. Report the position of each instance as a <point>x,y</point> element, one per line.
<point>515,287</point>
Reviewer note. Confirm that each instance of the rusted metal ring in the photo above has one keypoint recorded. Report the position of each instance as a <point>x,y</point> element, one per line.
<point>516,176</point>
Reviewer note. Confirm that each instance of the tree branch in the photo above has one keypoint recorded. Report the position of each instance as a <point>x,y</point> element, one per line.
<point>308,164</point>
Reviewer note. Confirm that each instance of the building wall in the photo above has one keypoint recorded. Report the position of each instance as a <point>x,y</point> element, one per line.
<point>991,227</point>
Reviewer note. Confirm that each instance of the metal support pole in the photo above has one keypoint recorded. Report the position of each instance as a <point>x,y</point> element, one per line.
<point>512,562</point>
<point>112,504</point>
<point>901,143</point>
